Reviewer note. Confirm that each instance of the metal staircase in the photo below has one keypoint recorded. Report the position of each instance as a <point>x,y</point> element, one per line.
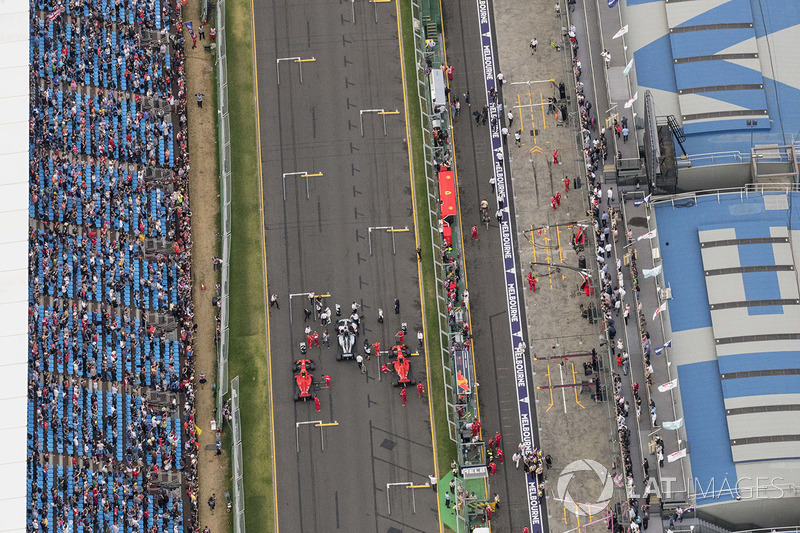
<point>677,132</point>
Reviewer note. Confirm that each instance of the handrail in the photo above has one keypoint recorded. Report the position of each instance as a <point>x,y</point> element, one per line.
<point>735,154</point>
<point>750,188</point>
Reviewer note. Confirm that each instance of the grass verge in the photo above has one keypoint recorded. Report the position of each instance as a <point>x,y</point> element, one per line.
<point>446,447</point>
<point>247,352</point>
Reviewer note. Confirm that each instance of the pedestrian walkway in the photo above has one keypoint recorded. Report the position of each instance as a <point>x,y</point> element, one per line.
<point>608,84</point>
<point>611,88</point>
<point>612,91</point>
<point>635,213</point>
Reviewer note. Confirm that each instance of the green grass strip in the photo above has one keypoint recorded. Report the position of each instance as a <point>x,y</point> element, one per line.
<point>446,448</point>
<point>247,352</point>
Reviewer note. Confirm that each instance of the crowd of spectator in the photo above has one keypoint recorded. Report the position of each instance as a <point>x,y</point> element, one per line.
<point>106,124</point>
<point>110,270</point>
<point>112,436</point>
<point>75,342</point>
<point>101,54</point>
<point>149,14</point>
<point>102,194</point>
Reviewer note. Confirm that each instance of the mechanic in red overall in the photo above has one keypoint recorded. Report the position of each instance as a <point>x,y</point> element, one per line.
<point>316,404</point>
<point>420,389</point>
<point>403,395</point>
<point>531,282</point>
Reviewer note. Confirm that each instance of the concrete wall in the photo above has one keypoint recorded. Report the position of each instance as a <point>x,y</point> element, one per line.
<point>724,176</point>
<point>763,512</point>
<point>713,177</point>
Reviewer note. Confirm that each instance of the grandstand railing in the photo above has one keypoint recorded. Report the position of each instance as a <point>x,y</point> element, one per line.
<point>719,158</point>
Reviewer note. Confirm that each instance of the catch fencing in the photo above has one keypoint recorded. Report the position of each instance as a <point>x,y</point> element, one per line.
<point>224,135</point>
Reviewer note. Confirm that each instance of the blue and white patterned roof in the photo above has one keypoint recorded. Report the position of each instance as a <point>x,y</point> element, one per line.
<point>724,68</point>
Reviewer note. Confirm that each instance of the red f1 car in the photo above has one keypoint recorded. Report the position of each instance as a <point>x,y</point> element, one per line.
<point>303,379</point>
<point>402,367</point>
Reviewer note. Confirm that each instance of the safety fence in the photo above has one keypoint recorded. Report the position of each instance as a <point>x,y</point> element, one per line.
<point>224,134</point>
<point>432,57</point>
<point>238,467</point>
<point>225,207</point>
<point>456,353</point>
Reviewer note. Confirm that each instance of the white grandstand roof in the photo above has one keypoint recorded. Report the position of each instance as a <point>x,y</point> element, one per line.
<point>14,115</point>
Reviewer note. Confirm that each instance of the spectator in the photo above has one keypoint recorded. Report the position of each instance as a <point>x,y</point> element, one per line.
<point>110,246</point>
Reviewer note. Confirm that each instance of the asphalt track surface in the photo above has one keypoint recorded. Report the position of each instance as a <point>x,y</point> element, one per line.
<point>484,266</point>
<point>321,245</point>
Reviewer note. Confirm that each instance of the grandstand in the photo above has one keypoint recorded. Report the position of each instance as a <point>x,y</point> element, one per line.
<point>734,321</point>
<point>99,432</point>
<point>725,89</point>
<point>719,102</point>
